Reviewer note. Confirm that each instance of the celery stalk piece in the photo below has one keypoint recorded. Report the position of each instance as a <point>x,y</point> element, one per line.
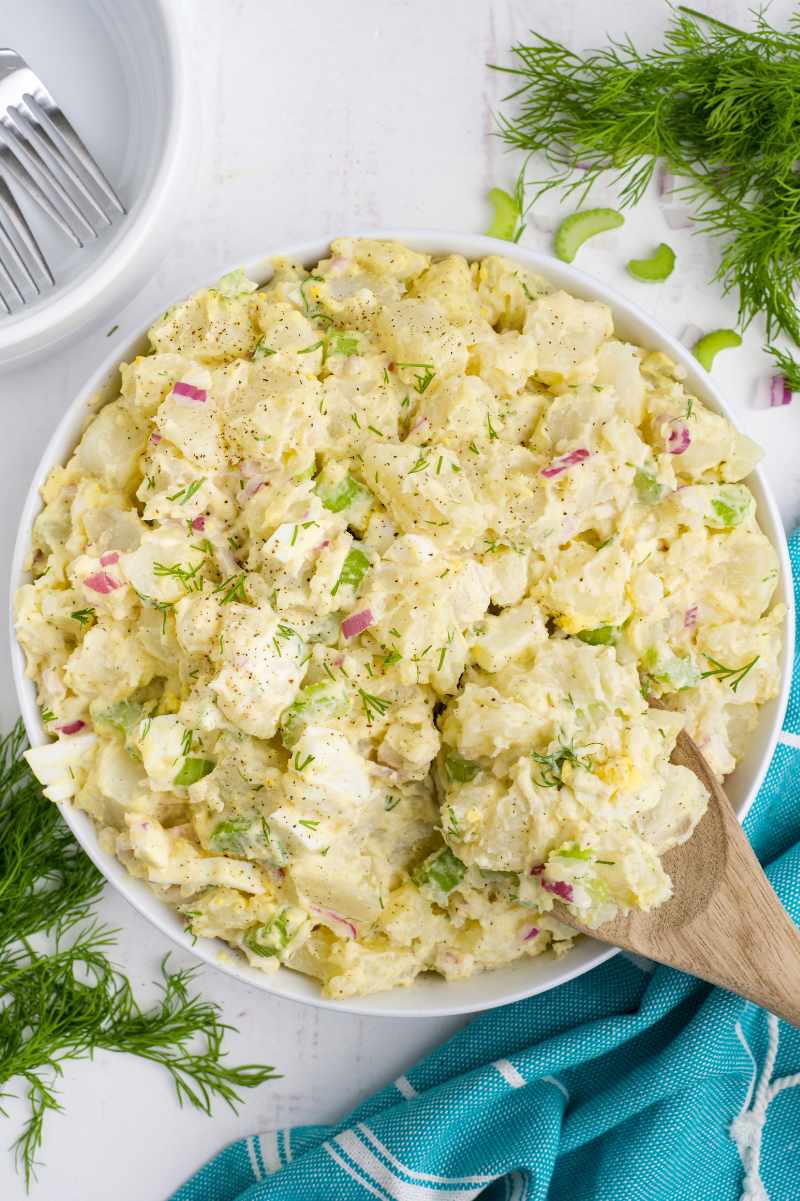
<point>574,230</point>
<point>658,267</point>
<point>506,216</point>
<point>709,346</point>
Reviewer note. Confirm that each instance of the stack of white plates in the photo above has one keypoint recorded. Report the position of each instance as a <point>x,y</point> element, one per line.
<point>116,70</point>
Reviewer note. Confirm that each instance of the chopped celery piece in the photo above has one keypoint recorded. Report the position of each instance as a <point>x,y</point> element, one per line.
<point>312,703</point>
<point>441,869</point>
<point>506,217</point>
<point>354,568</point>
<point>572,852</point>
<point>235,283</point>
<point>339,343</point>
<point>600,635</point>
<point>270,938</point>
<point>674,671</point>
<point>497,877</point>
<point>657,268</point>
<point>459,769</point>
<point>709,346</point>
<point>574,230</point>
<point>729,507</point>
<point>649,490</point>
<point>336,497</point>
<point>123,716</point>
<point>230,837</point>
<point>192,771</point>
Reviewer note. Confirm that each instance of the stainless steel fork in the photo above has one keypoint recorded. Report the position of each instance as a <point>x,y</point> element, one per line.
<point>41,153</point>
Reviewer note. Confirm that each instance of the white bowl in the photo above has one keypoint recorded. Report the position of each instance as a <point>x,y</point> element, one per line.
<point>428,996</point>
<point>117,71</point>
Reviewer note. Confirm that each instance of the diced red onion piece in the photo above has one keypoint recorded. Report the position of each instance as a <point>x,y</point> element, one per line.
<point>559,888</point>
<point>199,523</point>
<point>565,461</point>
<point>155,438</point>
<point>356,623</point>
<point>188,393</point>
<point>331,914</point>
<point>690,618</point>
<point>102,582</point>
<point>107,560</point>
<point>418,424</point>
<point>779,392</point>
<point>323,545</point>
<point>532,933</point>
<point>679,439</point>
<point>666,180</point>
<point>536,870</point>
<point>71,727</point>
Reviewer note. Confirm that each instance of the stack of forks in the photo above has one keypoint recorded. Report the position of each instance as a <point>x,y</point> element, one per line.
<point>42,156</point>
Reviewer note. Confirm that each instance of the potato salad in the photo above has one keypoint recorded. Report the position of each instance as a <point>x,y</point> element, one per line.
<point>346,614</point>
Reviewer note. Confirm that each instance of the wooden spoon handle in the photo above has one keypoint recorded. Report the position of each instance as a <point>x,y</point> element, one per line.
<point>723,923</point>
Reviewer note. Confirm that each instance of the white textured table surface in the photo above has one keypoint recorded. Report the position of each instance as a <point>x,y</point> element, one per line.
<point>311,119</point>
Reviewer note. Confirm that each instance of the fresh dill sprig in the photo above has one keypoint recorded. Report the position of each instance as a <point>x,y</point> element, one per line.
<point>734,675</point>
<point>552,765</point>
<point>721,107</point>
<point>70,1000</point>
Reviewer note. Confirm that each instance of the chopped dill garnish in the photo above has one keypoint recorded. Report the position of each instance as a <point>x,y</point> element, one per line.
<point>234,589</point>
<point>552,765</point>
<point>373,706</point>
<point>184,494</point>
<point>424,376</point>
<point>734,675</point>
<point>84,616</point>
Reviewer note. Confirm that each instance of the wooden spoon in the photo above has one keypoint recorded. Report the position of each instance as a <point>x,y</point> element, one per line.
<point>724,922</point>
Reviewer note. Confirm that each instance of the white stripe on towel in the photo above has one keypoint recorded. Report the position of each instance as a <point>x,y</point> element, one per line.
<point>250,1143</point>
<point>789,739</point>
<point>387,1154</point>
<point>334,1154</point>
<point>509,1073</point>
<point>384,1178</point>
<point>268,1142</point>
<point>405,1088</point>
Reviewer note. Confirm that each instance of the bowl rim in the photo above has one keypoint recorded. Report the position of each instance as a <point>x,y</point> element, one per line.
<point>79,299</point>
<point>284,982</point>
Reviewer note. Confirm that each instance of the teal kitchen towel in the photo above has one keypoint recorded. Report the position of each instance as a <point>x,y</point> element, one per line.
<point>626,1084</point>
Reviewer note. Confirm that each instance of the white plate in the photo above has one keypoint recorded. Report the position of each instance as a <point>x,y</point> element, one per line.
<point>429,996</point>
<point>116,69</point>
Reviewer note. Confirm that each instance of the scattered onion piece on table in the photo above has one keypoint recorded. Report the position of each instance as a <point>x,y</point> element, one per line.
<point>779,392</point>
